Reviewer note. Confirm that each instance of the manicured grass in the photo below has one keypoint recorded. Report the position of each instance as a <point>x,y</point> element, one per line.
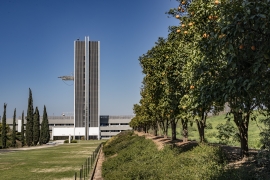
<point>210,134</point>
<point>59,162</point>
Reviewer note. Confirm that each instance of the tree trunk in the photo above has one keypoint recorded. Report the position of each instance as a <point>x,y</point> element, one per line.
<point>155,128</point>
<point>144,129</point>
<point>159,132</point>
<point>242,124</point>
<point>173,126</point>
<point>184,130</point>
<point>200,126</point>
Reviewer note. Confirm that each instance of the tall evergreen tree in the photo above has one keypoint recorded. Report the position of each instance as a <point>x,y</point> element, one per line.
<point>29,124</point>
<point>4,130</point>
<point>13,140</point>
<point>22,130</point>
<point>36,127</point>
<point>45,132</point>
<point>42,131</point>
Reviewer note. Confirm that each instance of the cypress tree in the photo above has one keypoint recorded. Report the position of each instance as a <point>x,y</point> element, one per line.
<point>46,130</point>
<point>29,124</point>
<point>13,140</point>
<point>4,130</point>
<point>36,127</point>
<point>42,130</point>
<point>22,130</point>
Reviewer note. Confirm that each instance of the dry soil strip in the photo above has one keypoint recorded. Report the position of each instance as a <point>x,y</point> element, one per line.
<point>98,170</point>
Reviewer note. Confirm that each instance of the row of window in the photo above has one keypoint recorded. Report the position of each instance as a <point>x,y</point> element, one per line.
<point>111,130</point>
<point>114,124</point>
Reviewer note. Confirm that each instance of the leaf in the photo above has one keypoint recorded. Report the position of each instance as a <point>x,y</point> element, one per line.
<point>262,16</point>
<point>266,56</point>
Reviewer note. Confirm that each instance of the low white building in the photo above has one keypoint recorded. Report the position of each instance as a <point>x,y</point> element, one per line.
<point>61,127</point>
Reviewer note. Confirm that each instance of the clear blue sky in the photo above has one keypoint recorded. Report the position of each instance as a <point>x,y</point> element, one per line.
<point>37,41</point>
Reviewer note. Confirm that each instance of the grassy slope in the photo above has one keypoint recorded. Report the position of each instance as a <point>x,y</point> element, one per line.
<point>132,157</point>
<point>49,163</point>
<point>140,159</point>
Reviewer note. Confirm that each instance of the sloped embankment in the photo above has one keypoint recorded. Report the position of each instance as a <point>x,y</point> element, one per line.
<point>129,156</point>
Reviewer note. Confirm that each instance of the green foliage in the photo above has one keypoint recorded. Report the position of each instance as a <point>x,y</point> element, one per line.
<point>225,132</point>
<point>140,159</point>
<point>265,134</point>
<point>263,157</point>
<point>13,140</point>
<point>22,131</point>
<point>116,143</point>
<point>209,126</point>
<point>4,131</point>
<point>211,134</point>
<point>30,119</point>
<point>44,132</point>
<point>72,141</point>
<point>36,127</point>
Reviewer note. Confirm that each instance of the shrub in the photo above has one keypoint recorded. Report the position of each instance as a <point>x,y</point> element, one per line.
<point>74,141</point>
<point>226,131</point>
<point>209,126</point>
<point>211,134</point>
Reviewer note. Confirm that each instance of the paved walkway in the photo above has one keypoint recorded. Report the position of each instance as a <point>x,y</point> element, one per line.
<point>58,142</point>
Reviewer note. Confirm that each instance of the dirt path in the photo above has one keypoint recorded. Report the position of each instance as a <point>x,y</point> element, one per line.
<point>98,171</point>
<point>160,141</point>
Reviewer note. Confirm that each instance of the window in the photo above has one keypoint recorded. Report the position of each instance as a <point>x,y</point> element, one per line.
<point>104,124</point>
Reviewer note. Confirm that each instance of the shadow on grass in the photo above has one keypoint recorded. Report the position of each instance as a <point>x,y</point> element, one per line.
<point>247,171</point>
<point>184,146</point>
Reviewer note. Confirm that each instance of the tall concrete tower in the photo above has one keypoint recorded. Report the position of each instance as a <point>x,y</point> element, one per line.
<point>87,87</point>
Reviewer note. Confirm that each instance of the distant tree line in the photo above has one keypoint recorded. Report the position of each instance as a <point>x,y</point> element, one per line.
<point>35,133</point>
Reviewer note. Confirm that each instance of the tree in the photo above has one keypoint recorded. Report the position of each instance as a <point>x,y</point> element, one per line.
<point>13,139</point>
<point>4,130</point>
<point>230,53</point>
<point>22,130</point>
<point>45,131</point>
<point>36,127</point>
<point>29,124</point>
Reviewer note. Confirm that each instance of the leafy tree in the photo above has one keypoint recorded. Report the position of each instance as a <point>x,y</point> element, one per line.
<point>36,127</point>
<point>45,131</point>
<point>22,130</point>
<point>229,56</point>
<point>4,130</point>
<point>13,139</point>
<point>29,124</point>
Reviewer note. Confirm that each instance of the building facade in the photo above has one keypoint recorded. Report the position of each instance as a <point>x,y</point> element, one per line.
<point>87,87</point>
<point>61,127</point>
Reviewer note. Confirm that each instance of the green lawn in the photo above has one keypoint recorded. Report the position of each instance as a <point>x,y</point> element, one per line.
<point>59,162</point>
<point>210,134</point>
